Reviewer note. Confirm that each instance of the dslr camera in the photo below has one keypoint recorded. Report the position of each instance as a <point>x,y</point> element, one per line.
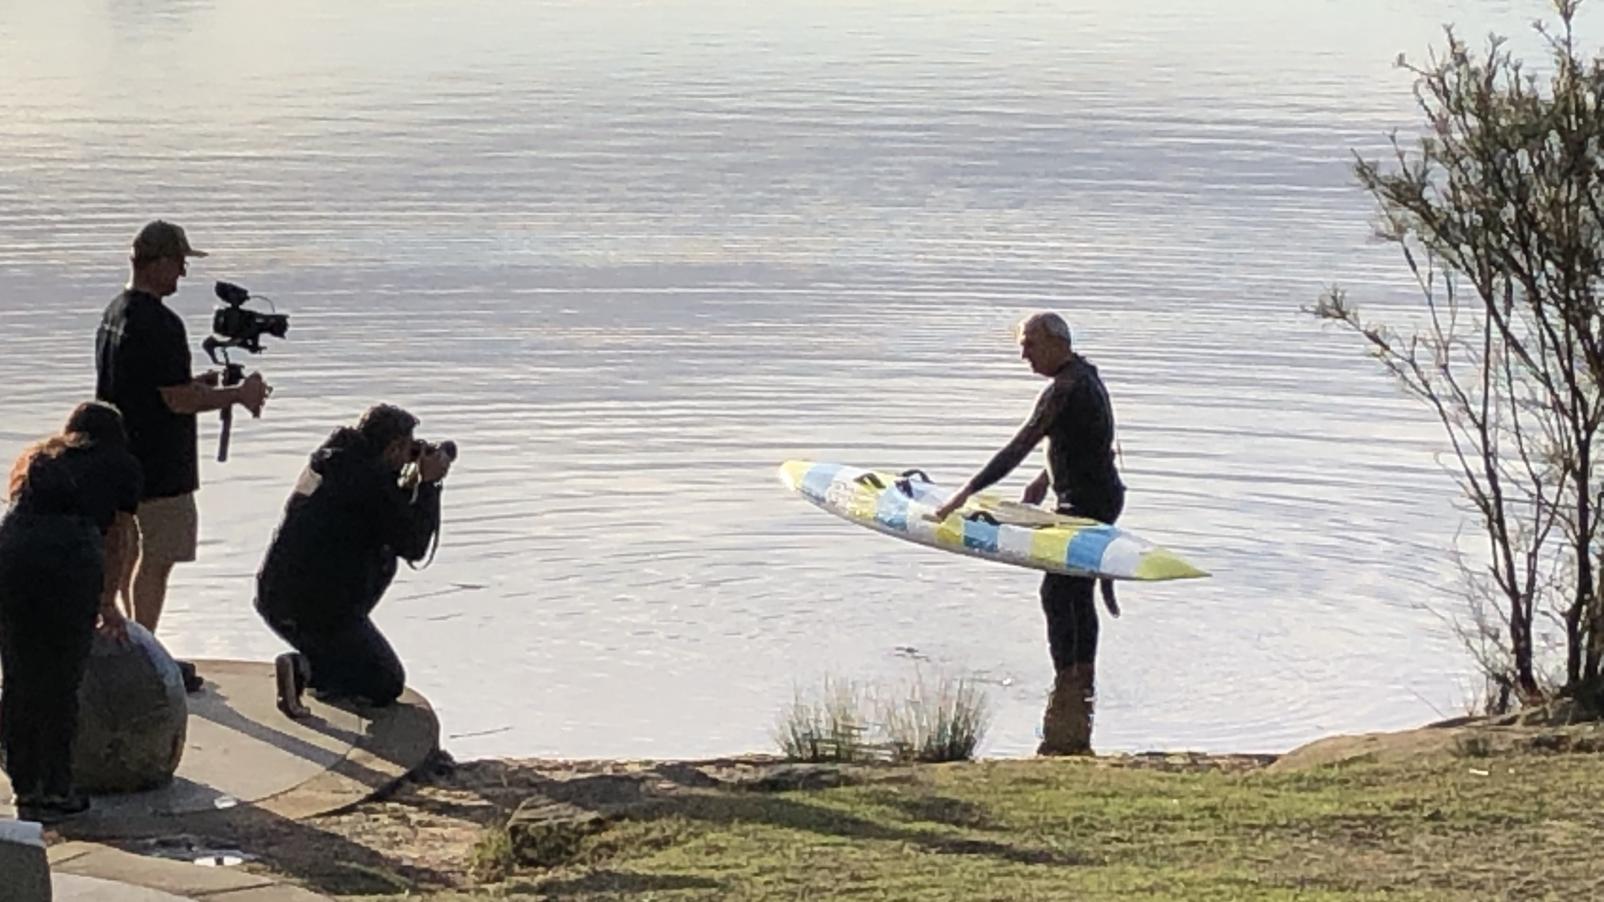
<point>421,449</point>
<point>411,472</point>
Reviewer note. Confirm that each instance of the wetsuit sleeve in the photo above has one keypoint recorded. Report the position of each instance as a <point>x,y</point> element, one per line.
<point>1049,405</point>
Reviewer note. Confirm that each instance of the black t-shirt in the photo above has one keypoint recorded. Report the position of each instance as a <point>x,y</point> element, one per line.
<point>93,482</point>
<point>140,349</point>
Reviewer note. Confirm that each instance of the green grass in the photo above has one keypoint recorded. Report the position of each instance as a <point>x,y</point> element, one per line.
<point>832,725</point>
<point>492,859</point>
<point>928,719</point>
<point>937,719</point>
<point>1503,826</point>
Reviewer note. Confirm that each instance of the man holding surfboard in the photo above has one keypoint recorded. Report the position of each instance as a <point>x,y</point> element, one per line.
<point>1074,415</point>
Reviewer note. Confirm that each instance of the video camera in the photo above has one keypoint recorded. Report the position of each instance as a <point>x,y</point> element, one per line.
<point>233,326</point>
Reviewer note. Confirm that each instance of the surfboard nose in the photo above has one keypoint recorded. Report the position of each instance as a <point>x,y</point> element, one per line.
<point>792,472</point>
<point>1160,563</point>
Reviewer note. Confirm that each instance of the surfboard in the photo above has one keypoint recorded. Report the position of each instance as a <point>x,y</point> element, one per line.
<point>986,526</point>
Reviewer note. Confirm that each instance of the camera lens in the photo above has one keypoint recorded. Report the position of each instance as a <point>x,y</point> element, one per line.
<point>449,448</point>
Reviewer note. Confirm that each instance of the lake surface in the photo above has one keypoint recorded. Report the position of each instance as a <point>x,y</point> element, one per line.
<point>631,256</point>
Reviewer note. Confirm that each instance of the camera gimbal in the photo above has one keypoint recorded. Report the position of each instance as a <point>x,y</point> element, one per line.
<point>235,327</point>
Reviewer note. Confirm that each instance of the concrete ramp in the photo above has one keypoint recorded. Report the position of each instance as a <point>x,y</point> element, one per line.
<point>84,872</point>
<point>243,758</point>
<point>244,765</point>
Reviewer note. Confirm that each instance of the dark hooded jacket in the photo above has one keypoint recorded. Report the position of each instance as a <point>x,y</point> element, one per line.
<point>343,529</point>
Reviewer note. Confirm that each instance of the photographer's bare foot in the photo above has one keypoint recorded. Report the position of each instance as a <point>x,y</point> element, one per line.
<point>193,682</point>
<point>289,675</point>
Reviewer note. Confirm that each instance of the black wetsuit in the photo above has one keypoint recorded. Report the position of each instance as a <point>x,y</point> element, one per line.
<point>333,557</point>
<point>52,560</point>
<point>1074,415</point>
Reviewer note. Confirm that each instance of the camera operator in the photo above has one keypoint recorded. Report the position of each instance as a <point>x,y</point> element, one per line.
<point>142,362</point>
<point>334,555</point>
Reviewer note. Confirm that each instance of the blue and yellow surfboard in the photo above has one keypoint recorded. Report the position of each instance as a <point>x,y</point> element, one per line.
<point>986,526</point>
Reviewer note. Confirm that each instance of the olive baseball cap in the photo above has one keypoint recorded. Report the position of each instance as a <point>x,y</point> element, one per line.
<point>159,239</point>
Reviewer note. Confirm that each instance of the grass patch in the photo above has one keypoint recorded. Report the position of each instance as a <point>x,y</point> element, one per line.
<point>492,858</point>
<point>927,719</point>
<point>830,725</point>
<point>1101,829</point>
<point>935,720</point>
<point>1472,745</point>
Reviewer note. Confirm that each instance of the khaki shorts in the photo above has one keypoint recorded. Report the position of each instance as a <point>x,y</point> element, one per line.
<point>169,528</point>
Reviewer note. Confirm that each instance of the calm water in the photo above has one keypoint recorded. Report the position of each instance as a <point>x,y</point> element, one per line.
<point>633,255</point>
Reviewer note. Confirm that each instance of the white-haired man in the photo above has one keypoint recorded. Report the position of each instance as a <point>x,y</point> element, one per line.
<point>1074,415</point>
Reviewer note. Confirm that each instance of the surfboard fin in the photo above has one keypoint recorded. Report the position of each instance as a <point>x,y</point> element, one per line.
<point>1107,586</point>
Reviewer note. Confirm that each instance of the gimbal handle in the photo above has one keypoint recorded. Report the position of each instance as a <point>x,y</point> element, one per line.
<point>233,374</point>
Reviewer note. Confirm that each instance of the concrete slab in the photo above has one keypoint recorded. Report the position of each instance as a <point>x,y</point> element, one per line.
<point>98,873</point>
<point>243,758</point>
<point>24,869</point>
<point>176,877</point>
<point>72,888</point>
<point>279,893</point>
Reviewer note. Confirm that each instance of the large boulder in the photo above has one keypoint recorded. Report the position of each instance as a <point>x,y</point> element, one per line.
<point>132,716</point>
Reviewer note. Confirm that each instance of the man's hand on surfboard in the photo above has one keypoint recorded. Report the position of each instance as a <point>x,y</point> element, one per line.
<point>943,512</point>
<point>1036,492</point>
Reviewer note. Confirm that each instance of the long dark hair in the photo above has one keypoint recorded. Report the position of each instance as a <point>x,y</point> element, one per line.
<point>91,424</point>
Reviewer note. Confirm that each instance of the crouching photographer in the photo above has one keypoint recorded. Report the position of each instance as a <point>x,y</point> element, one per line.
<point>369,495</point>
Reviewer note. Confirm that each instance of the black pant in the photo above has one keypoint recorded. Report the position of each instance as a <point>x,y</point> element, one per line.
<point>348,654</point>
<point>350,658</point>
<point>1069,601</point>
<point>50,582</point>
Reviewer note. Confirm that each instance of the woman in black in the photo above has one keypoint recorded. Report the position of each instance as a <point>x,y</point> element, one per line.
<point>62,544</point>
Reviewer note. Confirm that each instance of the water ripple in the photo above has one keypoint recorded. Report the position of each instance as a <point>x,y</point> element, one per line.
<point>633,255</point>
